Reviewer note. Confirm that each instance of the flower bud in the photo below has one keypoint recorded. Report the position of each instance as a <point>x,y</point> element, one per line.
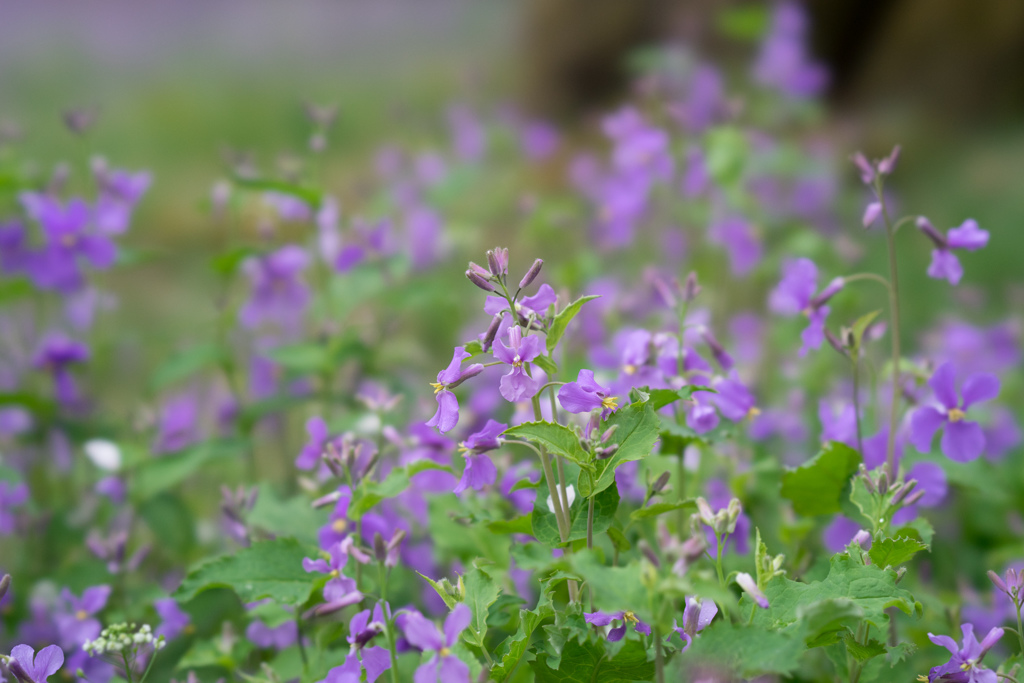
<point>750,587</point>
<point>861,538</point>
<point>663,289</point>
<point>645,548</point>
<point>79,121</point>
<point>830,291</point>
<point>660,483</point>
<point>914,497</point>
<point>900,573</point>
<point>888,164</point>
<point>497,261</point>
<point>492,331</point>
<point>608,433</point>
<point>5,583</point>
<point>717,350</point>
<point>733,513</point>
<point>479,281</point>
<point>835,343</point>
<point>691,289</point>
<point>531,274</point>
<point>480,270</point>
<point>991,575</point>
<point>883,483</point>
<point>903,492</point>
<point>925,226</point>
<point>704,512</point>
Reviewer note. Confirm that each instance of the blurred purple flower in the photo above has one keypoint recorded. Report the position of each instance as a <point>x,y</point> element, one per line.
<point>173,619</point>
<point>28,667</point>
<point>795,295</point>
<point>945,264</point>
<point>964,665</point>
<point>54,354</point>
<point>783,62</point>
<point>480,470</point>
<point>962,440</point>
<point>278,293</point>
<point>74,619</point>
<point>11,496</point>
<point>616,634</point>
<point>443,665</point>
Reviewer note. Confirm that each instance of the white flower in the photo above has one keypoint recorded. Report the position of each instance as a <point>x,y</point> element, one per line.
<point>104,454</point>
<point>570,495</point>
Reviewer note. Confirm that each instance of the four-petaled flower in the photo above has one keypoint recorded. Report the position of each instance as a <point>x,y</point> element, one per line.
<point>795,294</point>
<point>585,395</point>
<point>447,415</point>
<point>618,632</point>
<point>444,666</point>
<point>340,591</point>
<point>28,667</point>
<point>697,615</point>
<point>964,666</point>
<point>480,471</point>
<point>945,264</point>
<point>75,621</point>
<point>962,440</point>
<point>517,385</point>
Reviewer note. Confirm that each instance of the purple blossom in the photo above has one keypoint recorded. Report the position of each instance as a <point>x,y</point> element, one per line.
<point>68,241</point>
<point>74,621</point>
<point>278,637</point>
<point>734,399</point>
<point>838,423</point>
<point>278,295</point>
<point>447,415</point>
<point>585,395</point>
<point>362,630</point>
<point>349,672</point>
<point>480,470</point>
<point>311,452</point>
<point>737,235</point>
<point>945,264</point>
<point>795,295</point>
<point>750,587</point>
<point>11,496</point>
<point>964,665</point>
<point>962,440</point>
<point>55,353</point>
<point>120,191</point>
<point>339,591</point>
<point>616,633</point>
<point>840,533</point>
<point>696,617</point>
<point>443,665</point>
<point>517,385</point>
<point>784,63</point>
<point>178,424</point>
<point>173,619</point>
<point>28,667</point>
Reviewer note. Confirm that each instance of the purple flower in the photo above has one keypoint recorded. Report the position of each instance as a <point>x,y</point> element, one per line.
<point>964,665</point>
<point>11,495</point>
<point>67,241</point>
<point>28,667</point>
<point>314,448</point>
<point>74,622</point>
<point>784,63</point>
<point>840,533</point>
<point>945,264</point>
<point>838,425</point>
<point>339,591</point>
<point>174,620</point>
<point>54,354</point>
<point>585,395</point>
<point>517,385</point>
<point>362,630</point>
<point>734,399</point>
<point>737,235</point>
<point>795,295</point>
<point>178,423</point>
<point>120,191</point>
<point>480,471</point>
<point>447,415</point>
<point>349,672</point>
<point>962,440</point>
<point>931,479</point>
<point>279,637</point>
<point>443,666</point>
<point>616,633</point>
<point>750,587</point>
<point>278,293</point>
<point>696,617</point>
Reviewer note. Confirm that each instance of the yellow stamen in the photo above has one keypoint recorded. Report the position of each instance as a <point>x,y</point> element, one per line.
<point>955,414</point>
<point>438,387</point>
<point>339,526</point>
<point>630,617</point>
<point>81,615</point>
<point>444,652</point>
<point>68,240</point>
<point>629,369</point>
<point>610,403</point>
<point>334,574</point>
<point>753,412</point>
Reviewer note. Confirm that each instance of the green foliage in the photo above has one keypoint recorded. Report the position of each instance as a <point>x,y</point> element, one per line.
<point>370,494</point>
<point>892,552</point>
<point>816,487</point>
<point>556,438</point>
<point>161,473</point>
<point>514,648</point>
<point>545,524</point>
<point>661,508</point>
<point>185,364</point>
<point>748,650</point>
<point>636,431</point>
<point>268,569</point>
<point>481,592</point>
<point>562,320</point>
<point>589,661</point>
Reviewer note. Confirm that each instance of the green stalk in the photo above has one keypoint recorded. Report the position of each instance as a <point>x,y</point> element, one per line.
<point>389,623</point>
<point>894,318</point>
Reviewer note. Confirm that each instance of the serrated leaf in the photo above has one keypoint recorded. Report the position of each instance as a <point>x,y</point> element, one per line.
<point>862,652</point>
<point>293,516</point>
<point>869,587</point>
<point>661,508</point>
<point>562,320</point>
<point>515,646</point>
<point>920,529</point>
<point>826,621</point>
<point>449,600</point>
<point>637,431</point>
<point>589,661</point>
<point>267,569</point>
<point>481,592</point>
<point>816,487</point>
<point>898,652</point>
<point>554,437</point>
<point>892,552</point>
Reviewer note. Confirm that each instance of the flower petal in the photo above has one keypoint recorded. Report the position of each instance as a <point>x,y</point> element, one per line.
<point>924,422</point>
<point>453,670</point>
<point>456,623</point>
<point>421,633</point>
<point>963,441</point>
<point>944,641</point>
<point>978,388</point>
<point>943,383</point>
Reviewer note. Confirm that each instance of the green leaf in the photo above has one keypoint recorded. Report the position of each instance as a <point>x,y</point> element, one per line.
<point>310,195</point>
<point>750,651</point>
<point>744,22</point>
<point>206,653</point>
<point>860,326</point>
<point>227,263</point>
<point>661,508</point>
<point>869,587</point>
<point>474,347</point>
<point>293,516</point>
<point>562,320</point>
<point>892,552</point>
<point>636,431</point>
<point>481,592</point>
<point>919,528</point>
<point>515,646</point>
<point>615,588</point>
<point>899,652</point>
<point>862,652</point>
<point>267,569</point>
<point>449,599</point>
<point>589,661</point>
<point>659,398</point>
<point>726,155</point>
<point>546,364</point>
<point>184,364</point>
<point>372,493</point>
<point>517,525</point>
<point>554,437</point>
<point>816,487</point>
<point>826,621</point>
<point>545,524</point>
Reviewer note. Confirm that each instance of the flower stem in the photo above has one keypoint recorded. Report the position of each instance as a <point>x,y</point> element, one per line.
<point>856,400</point>
<point>1020,631</point>
<point>389,623</point>
<point>590,523</point>
<point>659,657</point>
<point>894,318</point>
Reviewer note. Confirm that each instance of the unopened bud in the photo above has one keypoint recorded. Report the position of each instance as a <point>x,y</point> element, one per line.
<point>80,120</point>
<point>704,511</point>
<point>869,483</point>
<point>914,497</point>
<point>491,333</point>
<point>861,538</point>
<point>648,552</point>
<point>380,548</point>
<point>660,483</point>
<point>480,270</point>
<point>904,491</point>
<point>835,343</point>
<point>480,282</point>
<point>830,291</point>
<point>733,513</point>
<point>607,451</point>
<point>608,433</point>
<point>531,274</point>
<point>5,583</point>
<point>925,226</point>
<point>665,292</point>
<point>991,575</point>
<point>883,483</point>
<point>900,573</point>
<point>691,289</point>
